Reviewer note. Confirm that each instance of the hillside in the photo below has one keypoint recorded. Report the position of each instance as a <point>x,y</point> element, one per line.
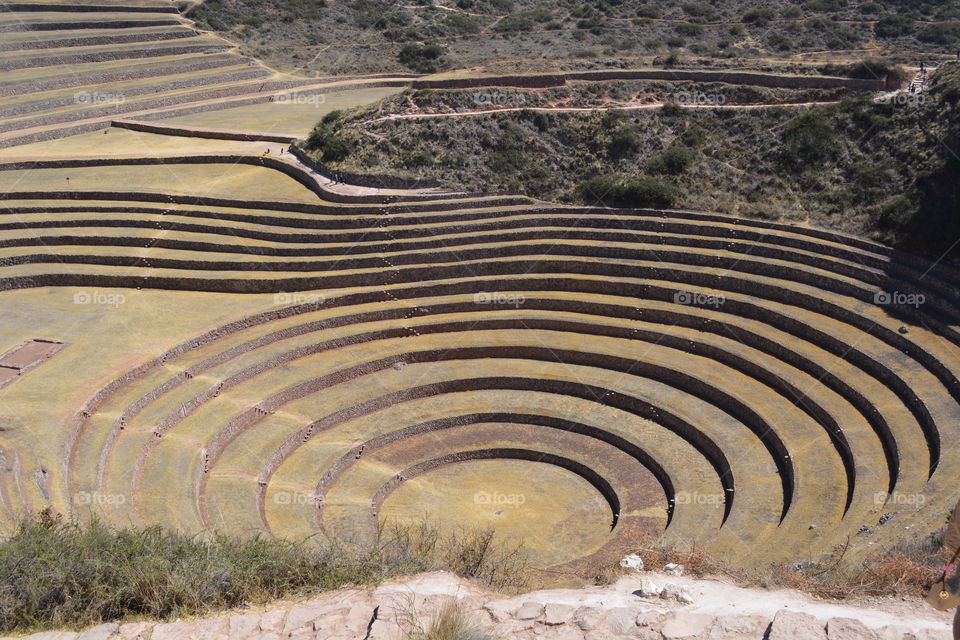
<point>365,36</point>
<point>883,167</point>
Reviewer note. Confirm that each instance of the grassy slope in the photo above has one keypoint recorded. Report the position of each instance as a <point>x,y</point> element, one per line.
<point>885,169</point>
<point>356,36</point>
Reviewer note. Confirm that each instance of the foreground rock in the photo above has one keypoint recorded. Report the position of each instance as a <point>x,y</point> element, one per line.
<point>644,606</point>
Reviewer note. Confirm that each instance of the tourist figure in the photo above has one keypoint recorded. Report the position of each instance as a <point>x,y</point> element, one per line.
<point>951,548</point>
<point>947,586</point>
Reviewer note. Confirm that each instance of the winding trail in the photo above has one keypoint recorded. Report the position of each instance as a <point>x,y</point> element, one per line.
<point>637,107</point>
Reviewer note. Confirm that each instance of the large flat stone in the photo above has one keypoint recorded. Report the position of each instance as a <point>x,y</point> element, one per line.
<point>243,625</point>
<point>501,610</point>
<point>100,632</point>
<point>272,621</point>
<point>529,611</point>
<point>686,625</point>
<point>135,630</point>
<point>791,625</point>
<point>172,631</point>
<point>739,627</point>
<point>556,614</point>
<point>621,620</point>
<point>848,629</point>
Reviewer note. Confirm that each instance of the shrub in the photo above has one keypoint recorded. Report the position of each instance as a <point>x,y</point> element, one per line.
<point>780,42</point>
<point>689,29</point>
<point>758,16</point>
<point>700,10</point>
<point>425,58</point>
<point>694,136</point>
<point>648,11</point>
<point>807,140</point>
<point>625,140</point>
<point>674,160</point>
<point>58,574</point>
<point>458,23</point>
<point>624,190</point>
<point>893,26</point>
<point>376,14</point>
<point>514,23</point>
<point>947,33</point>
<point>869,68</point>
<point>332,146</point>
<point>671,110</point>
<point>824,5</point>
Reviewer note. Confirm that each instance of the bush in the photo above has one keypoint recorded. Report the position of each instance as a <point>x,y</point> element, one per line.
<point>425,58</point>
<point>758,16</point>
<point>824,5</point>
<point>648,11</point>
<point>947,33</point>
<point>700,10</point>
<point>673,161</point>
<point>671,110</point>
<point>628,191</point>
<point>57,574</point>
<point>689,29</point>
<point>328,141</point>
<point>893,26</point>
<point>780,42</point>
<point>807,140</point>
<point>458,23</point>
<point>625,140</point>
<point>376,14</point>
<point>870,69</point>
<point>514,23</point>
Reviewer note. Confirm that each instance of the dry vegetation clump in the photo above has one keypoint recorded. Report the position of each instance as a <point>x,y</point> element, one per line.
<point>452,622</point>
<point>906,570</point>
<point>56,573</point>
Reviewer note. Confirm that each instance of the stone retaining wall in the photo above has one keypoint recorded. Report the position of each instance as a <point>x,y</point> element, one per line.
<point>104,56</point>
<point>84,8</point>
<point>729,77</point>
<point>193,132</point>
<point>89,41</point>
<point>131,72</point>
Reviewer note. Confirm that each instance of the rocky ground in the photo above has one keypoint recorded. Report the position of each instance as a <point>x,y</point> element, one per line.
<point>644,605</point>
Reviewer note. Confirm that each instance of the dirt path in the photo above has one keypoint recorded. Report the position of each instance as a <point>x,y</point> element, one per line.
<point>652,105</point>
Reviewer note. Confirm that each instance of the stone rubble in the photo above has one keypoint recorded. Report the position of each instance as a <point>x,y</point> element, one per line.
<point>635,607</point>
